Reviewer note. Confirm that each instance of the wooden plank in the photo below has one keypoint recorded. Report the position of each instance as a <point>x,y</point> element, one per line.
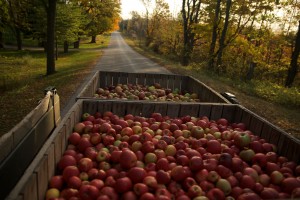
<point>50,155</point>
<point>216,111</point>
<point>20,131</point>
<point>256,125</point>
<point>246,117</point>
<point>150,79</point>
<point>23,155</point>
<point>160,108</point>
<point>90,107</point>
<point>177,82</point>
<point>266,132</point>
<point>115,78</point>
<point>59,144</point>
<point>274,135</point>
<point>132,79</point>
<point>173,110</point>
<point>229,112</point>
<point>134,108</point>
<point>123,78</point>
<point>42,177</point>
<point>56,106</point>
<point>293,150</point>
<point>205,110</point>
<point>189,109</point>
<point>119,108</point>
<point>163,81</point>
<point>238,114</point>
<point>171,81</point>
<point>6,145</point>
<point>104,106</point>
<point>44,128</point>
<point>147,108</point>
<point>30,191</point>
<point>102,79</point>
<point>140,78</point>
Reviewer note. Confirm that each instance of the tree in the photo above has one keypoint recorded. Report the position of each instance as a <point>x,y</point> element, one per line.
<point>147,4</point>
<point>294,61</point>
<point>191,16</point>
<point>50,46</point>
<point>156,22</point>
<point>3,20</point>
<point>101,16</point>
<point>68,24</point>
<point>15,17</point>
<point>214,35</point>
<point>223,36</point>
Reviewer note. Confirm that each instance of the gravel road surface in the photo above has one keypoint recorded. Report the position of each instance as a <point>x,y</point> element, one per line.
<point>119,57</point>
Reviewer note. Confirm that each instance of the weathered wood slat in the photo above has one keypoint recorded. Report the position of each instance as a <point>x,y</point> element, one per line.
<point>189,109</point>
<point>228,112</point>
<point>216,112</point>
<point>173,110</point>
<point>205,110</point>
<point>42,177</point>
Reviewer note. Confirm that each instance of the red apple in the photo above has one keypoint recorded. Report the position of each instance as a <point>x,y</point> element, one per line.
<point>70,171</point>
<point>56,182</point>
<point>128,159</point>
<point>289,184</point>
<point>140,188</point>
<point>74,182</point>
<point>74,138</point>
<point>163,177</point>
<point>85,164</point>
<point>110,192</point>
<point>179,173</point>
<point>136,174</point>
<point>241,139</point>
<point>196,163</point>
<point>123,185</point>
<point>65,161</point>
<point>88,192</point>
<point>215,193</point>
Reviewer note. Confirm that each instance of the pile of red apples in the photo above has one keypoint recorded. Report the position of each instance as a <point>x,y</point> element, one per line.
<point>133,157</point>
<point>141,92</point>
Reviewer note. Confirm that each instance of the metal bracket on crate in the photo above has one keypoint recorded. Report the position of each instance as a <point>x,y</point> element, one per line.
<point>231,97</point>
<point>50,89</point>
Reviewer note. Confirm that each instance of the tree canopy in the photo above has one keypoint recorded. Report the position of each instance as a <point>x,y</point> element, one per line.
<point>241,39</point>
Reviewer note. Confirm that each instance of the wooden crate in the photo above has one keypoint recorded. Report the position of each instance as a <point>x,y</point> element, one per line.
<point>20,145</point>
<point>183,83</point>
<point>33,184</point>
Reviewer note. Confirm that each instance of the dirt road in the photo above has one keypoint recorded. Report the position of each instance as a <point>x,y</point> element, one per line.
<point>122,58</point>
<point>118,56</point>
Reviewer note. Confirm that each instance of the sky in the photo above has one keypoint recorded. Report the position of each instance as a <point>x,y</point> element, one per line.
<point>136,5</point>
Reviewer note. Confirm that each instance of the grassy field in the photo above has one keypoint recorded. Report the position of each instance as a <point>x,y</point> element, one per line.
<point>23,80</point>
<point>279,105</point>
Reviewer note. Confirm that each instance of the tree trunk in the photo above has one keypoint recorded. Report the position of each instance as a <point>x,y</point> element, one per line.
<point>185,53</point>
<point>51,36</point>
<point>76,44</point>
<point>292,72</point>
<point>214,36</point>
<point>250,73</point>
<point>66,46</point>
<point>223,36</point>
<point>93,39</point>
<point>19,38</point>
<point>1,40</point>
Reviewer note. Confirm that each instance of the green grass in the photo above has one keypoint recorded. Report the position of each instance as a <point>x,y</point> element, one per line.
<point>23,79</point>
